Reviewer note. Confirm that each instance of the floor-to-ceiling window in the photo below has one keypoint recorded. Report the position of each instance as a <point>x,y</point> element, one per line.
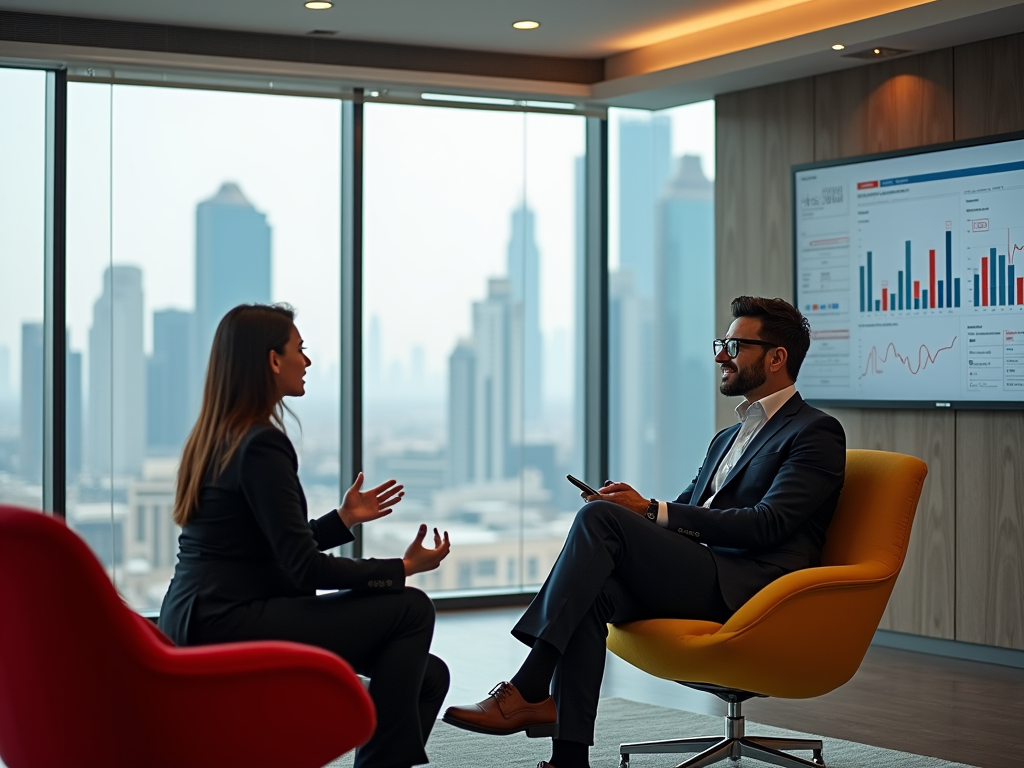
<point>660,296</point>
<point>22,243</point>
<point>182,204</point>
<point>471,243</point>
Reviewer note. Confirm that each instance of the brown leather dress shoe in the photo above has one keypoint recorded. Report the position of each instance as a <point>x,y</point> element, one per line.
<point>505,712</point>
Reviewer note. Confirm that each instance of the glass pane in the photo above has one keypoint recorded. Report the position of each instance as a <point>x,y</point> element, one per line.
<point>661,296</point>
<point>181,205</point>
<point>22,210</point>
<point>469,264</point>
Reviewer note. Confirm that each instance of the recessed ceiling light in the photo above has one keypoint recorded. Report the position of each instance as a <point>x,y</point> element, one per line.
<point>838,47</point>
<point>526,24</point>
<point>319,5</point>
<point>878,51</point>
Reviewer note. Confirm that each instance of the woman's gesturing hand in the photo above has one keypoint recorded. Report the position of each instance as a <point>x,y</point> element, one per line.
<point>419,559</point>
<point>363,506</point>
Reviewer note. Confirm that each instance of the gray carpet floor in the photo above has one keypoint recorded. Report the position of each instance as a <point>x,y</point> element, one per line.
<point>620,721</point>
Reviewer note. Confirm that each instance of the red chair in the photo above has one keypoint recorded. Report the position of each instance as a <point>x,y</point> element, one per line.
<point>85,681</point>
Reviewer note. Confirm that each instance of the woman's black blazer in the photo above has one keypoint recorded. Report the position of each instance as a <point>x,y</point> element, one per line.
<point>250,539</point>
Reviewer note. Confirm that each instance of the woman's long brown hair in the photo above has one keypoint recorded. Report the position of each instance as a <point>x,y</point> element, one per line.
<point>240,391</point>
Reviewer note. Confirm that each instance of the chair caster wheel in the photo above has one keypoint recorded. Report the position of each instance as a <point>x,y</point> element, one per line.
<point>817,759</point>
<point>623,761</point>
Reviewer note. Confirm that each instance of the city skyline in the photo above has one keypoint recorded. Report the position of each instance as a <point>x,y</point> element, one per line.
<point>482,435</point>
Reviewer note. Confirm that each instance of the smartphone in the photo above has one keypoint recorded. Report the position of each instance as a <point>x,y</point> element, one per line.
<point>581,485</point>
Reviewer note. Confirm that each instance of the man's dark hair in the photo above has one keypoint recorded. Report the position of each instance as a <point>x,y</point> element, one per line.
<point>782,324</point>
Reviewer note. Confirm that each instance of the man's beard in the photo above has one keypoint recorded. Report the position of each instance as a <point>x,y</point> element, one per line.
<point>751,377</point>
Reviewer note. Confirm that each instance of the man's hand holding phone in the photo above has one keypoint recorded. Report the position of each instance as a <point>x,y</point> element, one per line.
<point>617,493</point>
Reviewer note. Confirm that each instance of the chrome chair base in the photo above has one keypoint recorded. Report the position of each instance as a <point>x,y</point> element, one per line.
<point>734,745</point>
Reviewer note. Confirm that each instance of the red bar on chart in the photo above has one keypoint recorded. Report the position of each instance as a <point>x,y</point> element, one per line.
<point>917,289</point>
<point>931,279</point>
<point>984,281</point>
<point>1020,290</point>
<point>885,299</point>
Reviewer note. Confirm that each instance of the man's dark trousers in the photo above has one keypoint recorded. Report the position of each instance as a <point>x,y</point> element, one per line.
<point>616,566</point>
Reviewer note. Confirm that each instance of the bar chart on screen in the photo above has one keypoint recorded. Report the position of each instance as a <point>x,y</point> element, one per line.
<point>908,260</point>
<point>994,270</point>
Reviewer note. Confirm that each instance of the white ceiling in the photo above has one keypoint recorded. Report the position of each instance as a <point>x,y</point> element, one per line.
<point>576,28</point>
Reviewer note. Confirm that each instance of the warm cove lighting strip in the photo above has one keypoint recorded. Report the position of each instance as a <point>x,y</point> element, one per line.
<point>740,26</point>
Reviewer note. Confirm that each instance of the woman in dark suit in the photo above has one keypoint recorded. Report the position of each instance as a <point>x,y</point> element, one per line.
<point>250,563</point>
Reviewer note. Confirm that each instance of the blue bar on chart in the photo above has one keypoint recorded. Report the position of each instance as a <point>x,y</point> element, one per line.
<point>863,293</point>
<point>871,288</point>
<point>909,280</point>
<point>924,298</point>
<point>956,292</point>
<point>977,289</point>
<point>901,293</point>
<point>939,292</point>
<point>992,287</point>
<point>878,305</point>
<point>949,269</point>
<point>1002,280</point>
<point>1009,285</point>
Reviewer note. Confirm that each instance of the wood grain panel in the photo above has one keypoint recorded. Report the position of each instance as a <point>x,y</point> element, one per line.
<point>923,602</point>
<point>883,107</point>
<point>760,133</point>
<point>879,108</point>
<point>990,528</point>
<point>989,82</point>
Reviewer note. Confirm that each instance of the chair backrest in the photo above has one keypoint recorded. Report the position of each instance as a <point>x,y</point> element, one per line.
<point>86,681</point>
<point>63,629</point>
<point>876,509</point>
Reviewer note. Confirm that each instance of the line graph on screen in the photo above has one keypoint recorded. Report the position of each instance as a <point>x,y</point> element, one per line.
<point>914,363</point>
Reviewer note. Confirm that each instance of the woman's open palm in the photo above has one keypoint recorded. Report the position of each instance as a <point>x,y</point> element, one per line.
<point>360,506</point>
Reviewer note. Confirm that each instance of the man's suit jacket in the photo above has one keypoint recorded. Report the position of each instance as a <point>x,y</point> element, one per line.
<point>771,513</point>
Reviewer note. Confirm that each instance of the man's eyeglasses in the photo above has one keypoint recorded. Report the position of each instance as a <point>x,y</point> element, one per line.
<point>732,346</point>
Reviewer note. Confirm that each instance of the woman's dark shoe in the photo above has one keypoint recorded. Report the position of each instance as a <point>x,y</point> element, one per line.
<point>505,712</point>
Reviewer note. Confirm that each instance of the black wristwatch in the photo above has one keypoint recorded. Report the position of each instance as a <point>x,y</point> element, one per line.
<point>652,511</point>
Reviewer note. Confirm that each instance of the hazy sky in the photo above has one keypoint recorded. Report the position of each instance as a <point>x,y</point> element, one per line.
<point>441,185</point>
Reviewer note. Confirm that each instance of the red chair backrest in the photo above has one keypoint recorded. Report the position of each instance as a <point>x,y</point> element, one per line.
<point>85,681</point>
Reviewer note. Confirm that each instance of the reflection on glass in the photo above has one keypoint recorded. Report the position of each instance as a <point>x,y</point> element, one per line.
<point>661,296</point>
<point>181,205</point>
<point>469,293</point>
<point>22,180</point>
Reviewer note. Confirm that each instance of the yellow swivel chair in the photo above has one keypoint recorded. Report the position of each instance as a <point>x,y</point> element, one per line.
<point>804,634</point>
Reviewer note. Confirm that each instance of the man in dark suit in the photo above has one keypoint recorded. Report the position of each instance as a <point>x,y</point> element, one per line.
<point>758,508</point>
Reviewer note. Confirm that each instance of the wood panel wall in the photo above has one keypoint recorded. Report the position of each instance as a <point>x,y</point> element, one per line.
<point>964,575</point>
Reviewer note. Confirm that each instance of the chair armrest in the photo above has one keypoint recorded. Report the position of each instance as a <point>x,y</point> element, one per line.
<point>795,585</point>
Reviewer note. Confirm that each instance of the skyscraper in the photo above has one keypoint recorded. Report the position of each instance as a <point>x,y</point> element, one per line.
<point>579,391</point>
<point>232,265</point>
<point>461,413</point>
<point>630,384</point>
<point>644,167</point>
<point>685,325</point>
<point>73,413</point>
<point>31,433</point>
<point>5,372</point>
<point>117,376</point>
<point>524,278</point>
<point>169,415</point>
<point>645,163</point>
<point>497,395</point>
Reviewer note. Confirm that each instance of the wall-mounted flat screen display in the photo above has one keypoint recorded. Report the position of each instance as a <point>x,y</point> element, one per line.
<point>910,267</point>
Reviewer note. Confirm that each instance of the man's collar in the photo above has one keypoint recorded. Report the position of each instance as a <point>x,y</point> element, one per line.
<point>771,403</point>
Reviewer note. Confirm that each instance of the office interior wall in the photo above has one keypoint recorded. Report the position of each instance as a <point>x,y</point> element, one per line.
<point>964,574</point>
